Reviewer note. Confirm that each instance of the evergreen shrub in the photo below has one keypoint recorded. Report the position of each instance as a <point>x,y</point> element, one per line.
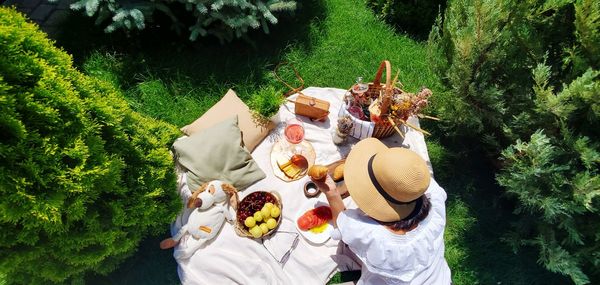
<point>225,19</point>
<point>526,80</point>
<point>83,178</point>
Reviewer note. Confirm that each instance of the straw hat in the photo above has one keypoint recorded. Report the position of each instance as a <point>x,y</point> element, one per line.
<point>385,182</point>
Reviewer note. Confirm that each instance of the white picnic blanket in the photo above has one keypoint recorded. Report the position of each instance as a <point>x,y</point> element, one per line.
<point>230,259</point>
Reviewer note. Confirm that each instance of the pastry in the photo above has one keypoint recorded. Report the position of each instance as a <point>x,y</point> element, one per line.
<point>317,172</point>
<point>338,173</point>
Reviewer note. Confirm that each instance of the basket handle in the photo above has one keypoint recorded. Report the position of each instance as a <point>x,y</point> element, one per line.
<point>293,89</point>
<point>387,94</point>
<point>388,74</point>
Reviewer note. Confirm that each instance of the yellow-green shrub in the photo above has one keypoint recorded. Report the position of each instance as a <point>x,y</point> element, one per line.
<point>83,178</point>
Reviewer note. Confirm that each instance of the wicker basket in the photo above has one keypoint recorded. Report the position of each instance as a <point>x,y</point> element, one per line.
<point>381,128</point>
<point>240,228</point>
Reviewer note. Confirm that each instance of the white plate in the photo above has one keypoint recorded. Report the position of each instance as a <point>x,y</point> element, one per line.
<point>308,235</point>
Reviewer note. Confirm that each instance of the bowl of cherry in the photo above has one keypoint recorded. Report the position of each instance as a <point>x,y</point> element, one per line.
<point>258,214</point>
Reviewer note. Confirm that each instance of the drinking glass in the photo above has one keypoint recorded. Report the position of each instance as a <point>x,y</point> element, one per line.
<point>294,134</point>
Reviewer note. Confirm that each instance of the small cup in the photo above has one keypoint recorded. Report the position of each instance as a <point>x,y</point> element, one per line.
<point>311,190</point>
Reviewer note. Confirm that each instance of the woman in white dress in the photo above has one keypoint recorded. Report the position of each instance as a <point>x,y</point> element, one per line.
<point>397,232</point>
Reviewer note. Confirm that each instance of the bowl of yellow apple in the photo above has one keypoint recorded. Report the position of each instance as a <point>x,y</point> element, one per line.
<point>258,214</point>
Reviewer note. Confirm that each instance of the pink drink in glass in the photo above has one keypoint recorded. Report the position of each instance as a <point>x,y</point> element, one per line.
<point>294,133</point>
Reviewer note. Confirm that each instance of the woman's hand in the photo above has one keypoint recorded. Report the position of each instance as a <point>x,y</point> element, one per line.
<point>328,186</point>
<point>333,197</point>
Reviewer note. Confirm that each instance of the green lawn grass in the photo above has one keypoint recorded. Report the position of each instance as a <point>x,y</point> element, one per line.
<point>331,42</point>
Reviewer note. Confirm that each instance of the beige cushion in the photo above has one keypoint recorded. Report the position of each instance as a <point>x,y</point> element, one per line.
<point>252,132</point>
<point>216,154</point>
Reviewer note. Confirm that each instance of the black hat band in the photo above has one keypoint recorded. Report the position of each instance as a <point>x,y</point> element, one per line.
<point>380,189</point>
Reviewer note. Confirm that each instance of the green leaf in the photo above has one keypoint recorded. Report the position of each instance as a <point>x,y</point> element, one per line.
<point>91,6</point>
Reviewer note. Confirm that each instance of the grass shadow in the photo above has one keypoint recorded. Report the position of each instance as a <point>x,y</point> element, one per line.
<point>485,258</point>
<point>158,48</point>
<point>413,19</point>
<point>149,265</point>
<point>194,74</point>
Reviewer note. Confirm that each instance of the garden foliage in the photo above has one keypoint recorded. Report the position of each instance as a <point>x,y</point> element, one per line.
<point>83,178</point>
<point>526,79</point>
<point>225,19</point>
<point>412,16</point>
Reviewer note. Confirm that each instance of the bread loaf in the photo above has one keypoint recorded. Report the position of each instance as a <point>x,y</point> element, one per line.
<point>338,173</point>
<point>318,172</point>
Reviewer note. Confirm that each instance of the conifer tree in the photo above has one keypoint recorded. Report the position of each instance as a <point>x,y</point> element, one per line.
<point>224,19</point>
<point>546,119</point>
<point>555,178</point>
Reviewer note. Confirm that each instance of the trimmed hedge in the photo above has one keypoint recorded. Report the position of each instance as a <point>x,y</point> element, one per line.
<point>83,178</point>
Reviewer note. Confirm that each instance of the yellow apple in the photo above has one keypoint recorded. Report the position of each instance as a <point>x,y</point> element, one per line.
<point>269,205</point>
<point>258,216</point>
<point>275,212</point>
<point>266,213</point>
<point>250,222</point>
<point>271,223</point>
<point>264,228</point>
<point>256,232</point>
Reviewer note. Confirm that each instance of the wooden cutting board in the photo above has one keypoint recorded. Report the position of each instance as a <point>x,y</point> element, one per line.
<point>341,185</point>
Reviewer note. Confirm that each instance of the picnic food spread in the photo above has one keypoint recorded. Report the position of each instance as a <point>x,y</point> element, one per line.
<point>314,218</point>
<point>260,214</point>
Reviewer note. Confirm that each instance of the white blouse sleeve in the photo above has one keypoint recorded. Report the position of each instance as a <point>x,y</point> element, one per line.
<point>354,228</point>
<point>336,234</point>
<point>436,195</point>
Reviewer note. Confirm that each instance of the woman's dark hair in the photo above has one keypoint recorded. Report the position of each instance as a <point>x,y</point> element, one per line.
<point>416,216</point>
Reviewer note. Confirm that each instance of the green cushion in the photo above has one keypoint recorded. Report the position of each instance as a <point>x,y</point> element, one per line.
<point>216,153</point>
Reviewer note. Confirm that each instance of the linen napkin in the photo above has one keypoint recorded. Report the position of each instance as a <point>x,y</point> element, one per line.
<point>283,241</point>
